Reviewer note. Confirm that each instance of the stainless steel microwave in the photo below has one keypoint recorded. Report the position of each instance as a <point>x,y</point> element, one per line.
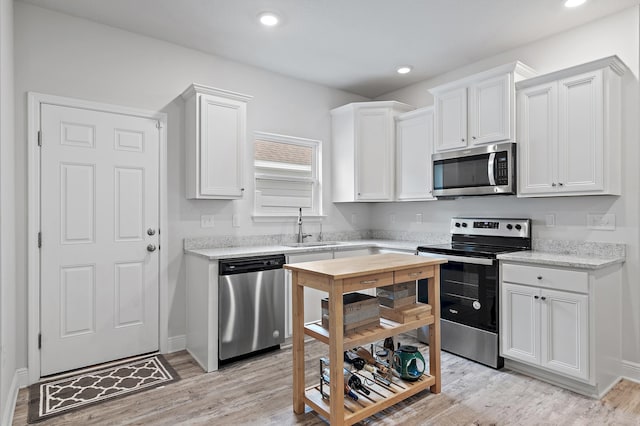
<point>486,170</point>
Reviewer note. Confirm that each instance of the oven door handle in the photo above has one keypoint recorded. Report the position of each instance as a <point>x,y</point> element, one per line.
<point>460,259</point>
<point>491,169</point>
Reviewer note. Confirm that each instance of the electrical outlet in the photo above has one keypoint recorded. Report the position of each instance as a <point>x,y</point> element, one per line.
<point>392,218</point>
<point>235,221</point>
<point>418,217</point>
<point>550,220</point>
<point>605,222</point>
<point>206,221</point>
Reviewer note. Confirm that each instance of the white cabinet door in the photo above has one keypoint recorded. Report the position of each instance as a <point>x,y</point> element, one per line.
<point>215,132</point>
<point>520,318</point>
<point>490,110</point>
<point>451,119</point>
<point>581,147</point>
<point>414,146</point>
<point>565,340</point>
<point>374,154</point>
<point>537,139</point>
<point>312,297</point>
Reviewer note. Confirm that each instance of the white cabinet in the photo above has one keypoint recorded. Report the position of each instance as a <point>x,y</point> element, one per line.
<point>215,132</point>
<point>478,109</point>
<point>414,146</point>
<point>569,131</point>
<point>547,328</point>
<point>363,150</point>
<point>562,324</point>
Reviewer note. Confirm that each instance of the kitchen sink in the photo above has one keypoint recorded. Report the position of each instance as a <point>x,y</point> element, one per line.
<point>314,244</point>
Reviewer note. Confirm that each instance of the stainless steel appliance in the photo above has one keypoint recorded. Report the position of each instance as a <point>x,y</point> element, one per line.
<point>469,293</point>
<point>486,170</point>
<point>250,305</point>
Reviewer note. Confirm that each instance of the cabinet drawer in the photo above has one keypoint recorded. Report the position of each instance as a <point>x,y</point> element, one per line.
<point>413,274</point>
<point>368,281</point>
<point>560,279</point>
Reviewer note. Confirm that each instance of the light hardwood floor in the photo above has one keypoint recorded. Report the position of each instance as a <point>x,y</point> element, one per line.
<point>258,392</point>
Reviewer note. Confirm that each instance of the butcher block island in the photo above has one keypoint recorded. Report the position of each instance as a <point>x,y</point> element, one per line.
<point>339,276</point>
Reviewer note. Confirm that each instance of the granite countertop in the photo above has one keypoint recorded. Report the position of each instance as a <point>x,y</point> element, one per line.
<point>578,260</point>
<point>242,251</point>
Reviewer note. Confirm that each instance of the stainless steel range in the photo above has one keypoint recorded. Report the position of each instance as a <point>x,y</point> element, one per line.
<point>469,284</point>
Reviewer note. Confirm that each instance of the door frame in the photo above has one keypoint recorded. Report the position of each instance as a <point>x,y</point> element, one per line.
<point>34,101</point>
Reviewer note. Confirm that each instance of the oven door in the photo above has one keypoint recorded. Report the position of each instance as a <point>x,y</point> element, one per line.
<point>468,291</point>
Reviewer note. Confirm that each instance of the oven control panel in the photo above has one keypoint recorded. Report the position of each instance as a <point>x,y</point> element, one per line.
<point>492,227</point>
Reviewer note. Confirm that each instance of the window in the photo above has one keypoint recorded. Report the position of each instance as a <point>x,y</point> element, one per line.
<point>287,173</point>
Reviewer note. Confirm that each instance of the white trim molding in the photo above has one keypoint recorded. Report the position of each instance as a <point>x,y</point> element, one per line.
<point>177,343</point>
<point>20,378</point>
<point>34,102</point>
<point>631,371</point>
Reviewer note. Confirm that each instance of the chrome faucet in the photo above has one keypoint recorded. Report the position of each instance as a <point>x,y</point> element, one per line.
<point>301,236</point>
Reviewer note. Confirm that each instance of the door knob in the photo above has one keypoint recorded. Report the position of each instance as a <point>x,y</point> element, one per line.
<point>151,247</point>
<point>151,231</point>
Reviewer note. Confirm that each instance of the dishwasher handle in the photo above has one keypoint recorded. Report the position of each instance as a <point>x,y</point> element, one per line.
<point>243,265</point>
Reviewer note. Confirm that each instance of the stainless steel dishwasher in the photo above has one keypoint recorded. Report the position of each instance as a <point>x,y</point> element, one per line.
<point>251,305</point>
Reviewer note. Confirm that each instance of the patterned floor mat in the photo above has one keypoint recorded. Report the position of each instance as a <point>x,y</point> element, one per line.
<point>60,396</point>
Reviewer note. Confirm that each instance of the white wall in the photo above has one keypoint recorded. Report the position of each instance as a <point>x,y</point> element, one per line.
<point>616,34</point>
<point>61,55</point>
<point>7,215</point>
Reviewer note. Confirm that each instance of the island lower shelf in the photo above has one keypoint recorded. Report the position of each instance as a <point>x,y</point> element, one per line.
<point>387,328</point>
<point>381,397</point>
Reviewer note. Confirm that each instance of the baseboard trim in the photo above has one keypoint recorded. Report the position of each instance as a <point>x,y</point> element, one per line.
<point>177,343</point>
<point>20,379</point>
<point>631,371</point>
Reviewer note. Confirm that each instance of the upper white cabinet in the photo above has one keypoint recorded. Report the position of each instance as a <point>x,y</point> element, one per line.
<point>363,150</point>
<point>215,132</point>
<point>478,109</point>
<point>569,131</point>
<point>414,146</point>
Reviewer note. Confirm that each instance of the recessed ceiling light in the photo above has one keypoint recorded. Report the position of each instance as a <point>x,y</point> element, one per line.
<point>269,19</point>
<point>573,3</point>
<point>405,69</point>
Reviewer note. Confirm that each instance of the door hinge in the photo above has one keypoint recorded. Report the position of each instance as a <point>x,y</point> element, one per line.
<point>39,239</point>
<point>39,340</point>
<point>39,137</point>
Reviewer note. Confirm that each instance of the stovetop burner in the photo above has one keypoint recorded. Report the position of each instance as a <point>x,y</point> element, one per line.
<point>482,237</point>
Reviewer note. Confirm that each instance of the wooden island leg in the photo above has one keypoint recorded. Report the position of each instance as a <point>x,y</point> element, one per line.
<point>434,335</point>
<point>336,357</point>
<point>297,300</point>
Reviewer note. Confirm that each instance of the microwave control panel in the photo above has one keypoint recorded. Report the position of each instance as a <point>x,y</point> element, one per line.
<point>501,169</point>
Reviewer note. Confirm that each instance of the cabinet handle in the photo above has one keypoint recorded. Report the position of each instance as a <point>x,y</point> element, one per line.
<point>543,298</point>
<point>539,277</point>
<point>561,184</point>
<point>536,297</point>
<point>358,193</point>
<point>369,281</point>
<point>415,274</point>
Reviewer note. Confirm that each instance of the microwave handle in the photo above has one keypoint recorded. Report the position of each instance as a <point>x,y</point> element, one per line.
<point>491,169</point>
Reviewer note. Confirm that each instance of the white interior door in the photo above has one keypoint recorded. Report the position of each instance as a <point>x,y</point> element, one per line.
<point>99,281</point>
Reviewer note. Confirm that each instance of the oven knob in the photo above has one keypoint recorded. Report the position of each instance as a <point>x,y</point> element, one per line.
<point>509,226</point>
<point>457,225</point>
<point>476,305</point>
<point>464,224</point>
<point>518,227</point>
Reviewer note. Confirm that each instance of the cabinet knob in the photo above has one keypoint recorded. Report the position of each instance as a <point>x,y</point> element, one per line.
<point>553,184</point>
<point>462,140</point>
<point>358,193</point>
<point>473,137</point>
<point>151,232</point>
<point>539,277</point>
<point>536,297</point>
<point>561,184</point>
<point>543,298</point>
<point>242,189</point>
<point>151,248</point>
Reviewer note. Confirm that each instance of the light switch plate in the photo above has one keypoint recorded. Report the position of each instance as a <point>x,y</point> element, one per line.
<point>392,218</point>
<point>235,221</point>
<point>206,221</point>
<point>605,222</point>
<point>418,217</point>
<point>550,220</point>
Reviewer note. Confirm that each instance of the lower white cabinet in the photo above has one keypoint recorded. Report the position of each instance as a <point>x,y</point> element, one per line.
<point>562,324</point>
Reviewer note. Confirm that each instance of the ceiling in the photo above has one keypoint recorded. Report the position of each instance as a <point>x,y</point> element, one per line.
<point>353,45</point>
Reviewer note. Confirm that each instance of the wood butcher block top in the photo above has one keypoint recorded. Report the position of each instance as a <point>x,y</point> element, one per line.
<point>349,267</point>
